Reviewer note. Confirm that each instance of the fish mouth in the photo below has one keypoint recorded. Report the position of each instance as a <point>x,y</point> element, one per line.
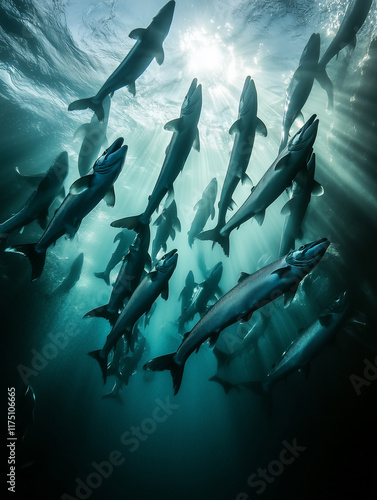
<point>112,157</point>
<point>308,255</point>
<point>164,16</point>
<point>248,97</point>
<point>193,99</point>
<point>312,49</point>
<point>169,260</point>
<point>306,136</point>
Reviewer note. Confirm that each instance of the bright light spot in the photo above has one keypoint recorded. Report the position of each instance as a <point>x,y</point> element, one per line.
<point>208,57</point>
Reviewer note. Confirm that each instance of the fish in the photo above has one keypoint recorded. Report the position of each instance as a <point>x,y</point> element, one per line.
<point>129,277</point>
<point>73,277</point>
<point>300,87</point>
<point>227,386</point>
<point>167,224</point>
<point>354,17</point>
<point>205,292</point>
<point>36,208</point>
<point>204,209</point>
<point>125,239</point>
<point>252,292</point>
<point>154,284</point>
<point>276,179</point>
<point>303,187</point>
<point>147,47</point>
<point>84,194</point>
<point>94,136</point>
<point>187,292</point>
<point>185,136</point>
<point>310,342</point>
<point>244,130</point>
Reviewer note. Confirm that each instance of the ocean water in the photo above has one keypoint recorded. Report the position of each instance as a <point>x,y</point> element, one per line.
<point>203,443</point>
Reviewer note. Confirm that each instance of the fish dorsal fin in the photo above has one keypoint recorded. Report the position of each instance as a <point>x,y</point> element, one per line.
<point>242,277</point>
<point>325,320</point>
<point>82,131</point>
<point>132,88</point>
<point>196,144</point>
<point>175,125</point>
<point>282,271</point>
<point>81,185</point>
<point>317,189</point>
<point>261,128</point>
<point>236,127</point>
<point>288,207</point>
<point>110,197</point>
<point>160,56</point>
<point>260,217</point>
<point>159,219</point>
<point>165,291</point>
<point>137,33</point>
<point>172,233</point>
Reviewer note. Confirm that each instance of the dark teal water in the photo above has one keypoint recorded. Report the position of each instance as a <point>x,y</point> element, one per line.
<point>210,443</point>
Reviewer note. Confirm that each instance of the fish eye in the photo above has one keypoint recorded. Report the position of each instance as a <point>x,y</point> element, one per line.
<point>302,247</point>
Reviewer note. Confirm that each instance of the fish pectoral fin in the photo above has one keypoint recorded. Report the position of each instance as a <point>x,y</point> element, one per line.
<point>196,143</point>
<point>288,297</point>
<point>137,33</point>
<point>71,229</point>
<point>177,225</point>
<point>260,217</point>
<point>61,194</point>
<point>261,128</point>
<point>325,320</point>
<point>43,219</point>
<point>242,277</point>
<point>153,276</point>
<point>170,196</point>
<point>82,131</point>
<point>246,317</point>
<point>317,189</point>
<point>236,128</point>
<point>212,339</point>
<point>110,197</point>
<point>132,88</point>
<point>160,56</point>
<point>288,207</point>
<point>232,205</point>
<point>245,179</point>
<point>175,125</point>
<point>159,219</point>
<point>213,212</point>
<point>352,44</point>
<point>81,185</point>
<point>172,233</point>
<point>280,164</point>
<point>282,272</point>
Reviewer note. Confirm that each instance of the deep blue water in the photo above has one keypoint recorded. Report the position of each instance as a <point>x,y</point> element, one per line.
<point>52,53</point>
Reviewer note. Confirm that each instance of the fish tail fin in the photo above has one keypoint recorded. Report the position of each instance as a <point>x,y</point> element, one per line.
<point>167,362</point>
<point>325,82</point>
<point>102,361</point>
<point>132,223</point>
<point>215,236</point>
<point>103,312</point>
<point>37,259</point>
<point>227,386</point>
<point>103,276</point>
<point>88,103</point>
